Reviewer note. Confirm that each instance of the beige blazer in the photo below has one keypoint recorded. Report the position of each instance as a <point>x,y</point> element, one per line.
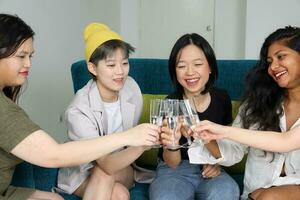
<point>86,119</point>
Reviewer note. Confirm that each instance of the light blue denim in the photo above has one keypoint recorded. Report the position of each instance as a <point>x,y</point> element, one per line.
<point>186,183</point>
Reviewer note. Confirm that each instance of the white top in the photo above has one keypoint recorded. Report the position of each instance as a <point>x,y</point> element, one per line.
<point>114,117</point>
<point>262,170</point>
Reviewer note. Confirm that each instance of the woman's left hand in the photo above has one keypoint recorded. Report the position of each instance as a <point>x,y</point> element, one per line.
<point>210,171</point>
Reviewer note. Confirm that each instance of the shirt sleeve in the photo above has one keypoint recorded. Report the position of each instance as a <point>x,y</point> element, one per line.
<point>15,126</point>
<point>232,152</point>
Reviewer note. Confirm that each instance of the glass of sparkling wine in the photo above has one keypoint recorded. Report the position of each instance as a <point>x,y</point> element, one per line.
<point>190,117</point>
<point>156,116</point>
<point>172,117</point>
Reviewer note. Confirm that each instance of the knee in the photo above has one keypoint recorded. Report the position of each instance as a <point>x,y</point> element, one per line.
<point>57,197</point>
<point>99,175</point>
<point>232,189</point>
<point>120,192</point>
<point>267,195</point>
<point>224,190</point>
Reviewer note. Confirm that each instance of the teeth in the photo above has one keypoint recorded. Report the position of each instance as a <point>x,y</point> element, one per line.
<point>192,80</point>
<point>280,73</point>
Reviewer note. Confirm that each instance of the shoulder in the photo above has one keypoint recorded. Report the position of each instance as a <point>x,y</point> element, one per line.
<point>14,122</point>
<point>9,109</point>
<point>131,84</point>
<point>131,88</point>
<point>82,96</point>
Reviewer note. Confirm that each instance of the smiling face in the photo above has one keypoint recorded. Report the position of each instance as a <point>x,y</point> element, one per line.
<point>111,74</point>
<point>192,70</point>
<point>14,70</point>
<point>284,65</point>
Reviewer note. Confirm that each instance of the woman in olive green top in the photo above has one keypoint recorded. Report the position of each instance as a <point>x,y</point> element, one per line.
<point>21,139</point>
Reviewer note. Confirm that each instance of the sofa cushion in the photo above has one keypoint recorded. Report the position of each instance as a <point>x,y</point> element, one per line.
<point>23,176</point>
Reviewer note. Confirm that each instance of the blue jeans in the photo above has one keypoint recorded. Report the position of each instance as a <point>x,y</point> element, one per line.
<point>186,183</point>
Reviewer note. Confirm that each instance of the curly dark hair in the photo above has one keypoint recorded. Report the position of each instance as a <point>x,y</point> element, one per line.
<point>13,33</point>
<point>263,97</point>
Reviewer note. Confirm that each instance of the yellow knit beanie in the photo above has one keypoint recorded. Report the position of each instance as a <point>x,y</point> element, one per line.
<point>96,34</point>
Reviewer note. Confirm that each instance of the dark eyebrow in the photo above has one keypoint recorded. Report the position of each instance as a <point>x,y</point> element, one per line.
<point>276,53</point>
<point>197,59</point>
<point>25,52</point>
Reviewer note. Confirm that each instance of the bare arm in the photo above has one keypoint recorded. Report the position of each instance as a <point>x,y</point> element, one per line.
<point>171,158</point>
<point>40,149</point>
<point>266,140</point>
<point>213,148</point>
<point>119,160</point>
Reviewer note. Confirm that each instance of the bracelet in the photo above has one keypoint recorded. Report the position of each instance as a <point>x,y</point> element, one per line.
<point>173,149</point>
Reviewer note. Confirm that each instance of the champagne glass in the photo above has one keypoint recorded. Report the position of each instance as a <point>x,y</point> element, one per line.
<point>172,120</point>
<point>190,117</point>
<point>156,115</point>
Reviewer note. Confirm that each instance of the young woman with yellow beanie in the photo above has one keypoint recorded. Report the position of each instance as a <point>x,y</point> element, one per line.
<point>21,139</point>
<point>109,103</point>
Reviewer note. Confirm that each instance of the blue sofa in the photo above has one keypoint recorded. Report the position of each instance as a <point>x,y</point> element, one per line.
<point>153,79</point>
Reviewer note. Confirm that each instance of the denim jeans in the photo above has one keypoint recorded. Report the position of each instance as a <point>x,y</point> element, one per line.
<point>186,183</point>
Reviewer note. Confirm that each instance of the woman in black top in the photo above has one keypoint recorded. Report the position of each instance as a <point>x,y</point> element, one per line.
<point>193,70</point>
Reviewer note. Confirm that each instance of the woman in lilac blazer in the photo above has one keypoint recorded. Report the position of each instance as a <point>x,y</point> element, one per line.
<point>109,103</point>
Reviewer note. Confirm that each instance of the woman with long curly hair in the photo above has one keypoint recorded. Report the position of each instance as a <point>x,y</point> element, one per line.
<point>271,103</point>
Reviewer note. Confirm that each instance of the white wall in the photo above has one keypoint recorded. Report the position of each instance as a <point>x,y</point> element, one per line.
<point>264,17</point>
<point>230,18</point>
<point>229,27</point>
<point>129,23</point>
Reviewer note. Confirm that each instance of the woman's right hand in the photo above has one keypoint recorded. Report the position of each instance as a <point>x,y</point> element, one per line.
<point>143,135</point>
<point>167,136</point>
<point>207,131</point>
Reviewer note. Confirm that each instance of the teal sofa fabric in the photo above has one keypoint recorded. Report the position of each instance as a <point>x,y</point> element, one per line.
<point>153,78</point>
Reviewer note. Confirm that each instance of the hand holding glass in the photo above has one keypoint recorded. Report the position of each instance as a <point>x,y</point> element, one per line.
<point>190,116</point>
<point>156,116</point>
<point>172,120</point>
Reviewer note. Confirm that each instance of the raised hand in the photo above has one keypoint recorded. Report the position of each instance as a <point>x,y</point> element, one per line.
<point>185,129</point>
<point>167,137</point>
<point>143,135</point>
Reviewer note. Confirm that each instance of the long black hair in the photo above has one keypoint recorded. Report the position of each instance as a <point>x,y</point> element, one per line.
<point>13,33</point>
<point>202,44</point>
<point>263,97</point>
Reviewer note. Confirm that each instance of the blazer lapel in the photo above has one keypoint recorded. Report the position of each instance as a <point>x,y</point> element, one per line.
<point>96,104</point>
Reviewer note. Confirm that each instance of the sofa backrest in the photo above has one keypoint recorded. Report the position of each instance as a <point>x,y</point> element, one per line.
<point>153,77</point>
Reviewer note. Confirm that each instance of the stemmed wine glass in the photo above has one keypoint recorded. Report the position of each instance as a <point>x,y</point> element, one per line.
<point>156,114</point>
<point>172,119</point>
<point>190,117</point>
